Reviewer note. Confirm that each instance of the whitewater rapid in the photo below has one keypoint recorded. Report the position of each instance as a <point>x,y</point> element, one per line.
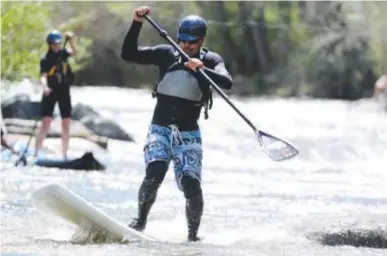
<point>253,206</point>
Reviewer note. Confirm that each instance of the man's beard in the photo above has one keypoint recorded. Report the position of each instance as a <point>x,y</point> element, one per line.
<point>189,52</point>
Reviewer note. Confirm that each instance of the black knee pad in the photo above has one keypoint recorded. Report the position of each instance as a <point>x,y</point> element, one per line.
<point>191,186</point>
<point>156,171</point>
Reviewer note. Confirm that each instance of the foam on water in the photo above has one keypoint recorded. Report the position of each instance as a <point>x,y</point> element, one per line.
<point>253,206</point>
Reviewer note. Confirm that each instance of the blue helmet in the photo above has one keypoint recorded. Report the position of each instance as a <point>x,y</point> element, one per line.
<point>54,37</point>
<point>192,28</point>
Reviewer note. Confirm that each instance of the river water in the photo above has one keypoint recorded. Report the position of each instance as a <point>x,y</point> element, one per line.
<point>253,206</point>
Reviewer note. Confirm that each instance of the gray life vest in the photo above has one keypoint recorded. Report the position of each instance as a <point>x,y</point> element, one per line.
<point>182,83</point>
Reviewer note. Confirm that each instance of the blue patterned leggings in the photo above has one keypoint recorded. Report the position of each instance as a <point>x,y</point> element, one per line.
<point>167,143</point>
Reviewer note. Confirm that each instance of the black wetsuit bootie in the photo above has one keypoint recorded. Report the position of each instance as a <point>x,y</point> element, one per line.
<point>194,212</point>
<point>146,197</point>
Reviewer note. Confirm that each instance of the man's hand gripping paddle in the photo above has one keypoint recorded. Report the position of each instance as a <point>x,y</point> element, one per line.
<point>277,149</point>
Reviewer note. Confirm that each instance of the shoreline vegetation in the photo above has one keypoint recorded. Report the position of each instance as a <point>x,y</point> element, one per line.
<point>290,49</point>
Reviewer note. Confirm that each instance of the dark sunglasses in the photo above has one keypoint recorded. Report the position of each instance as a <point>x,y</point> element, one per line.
<point>197,31</point>
<point>190,41</point>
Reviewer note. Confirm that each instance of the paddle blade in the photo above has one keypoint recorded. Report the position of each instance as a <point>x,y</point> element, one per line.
<point>277,149</point>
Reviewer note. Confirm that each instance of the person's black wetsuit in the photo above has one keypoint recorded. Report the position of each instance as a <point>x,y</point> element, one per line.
<point>181,94</point>
<point>172,109</point>
<point>59,73</point>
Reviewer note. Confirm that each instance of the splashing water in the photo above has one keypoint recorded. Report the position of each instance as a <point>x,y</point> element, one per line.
<point>253,206</point>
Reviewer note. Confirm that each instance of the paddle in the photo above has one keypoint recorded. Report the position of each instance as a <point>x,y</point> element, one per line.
<point>277,149</point>
<point>22,157</point>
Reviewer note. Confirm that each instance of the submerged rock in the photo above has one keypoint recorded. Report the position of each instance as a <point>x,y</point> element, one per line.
<point>354,237</point>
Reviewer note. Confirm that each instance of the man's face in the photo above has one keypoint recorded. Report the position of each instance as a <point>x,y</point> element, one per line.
<point>55,47</point>
<point>191,47</point>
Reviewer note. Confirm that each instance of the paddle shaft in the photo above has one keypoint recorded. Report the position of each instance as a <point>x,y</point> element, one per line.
<point>164,34</point>
<point>22,157</point>
<point>286,151</point>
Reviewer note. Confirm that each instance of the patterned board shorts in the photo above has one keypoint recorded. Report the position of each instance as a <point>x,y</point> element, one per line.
<point>184,148</point>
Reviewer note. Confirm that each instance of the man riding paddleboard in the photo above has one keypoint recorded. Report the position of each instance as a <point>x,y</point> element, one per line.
<point>181,93</point>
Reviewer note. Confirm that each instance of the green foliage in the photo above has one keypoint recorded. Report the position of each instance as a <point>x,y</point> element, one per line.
<point>323,49</point>
<point>24,26</point>
<point>22,38</point>
<point>83,43</point>
<point>376,33</point>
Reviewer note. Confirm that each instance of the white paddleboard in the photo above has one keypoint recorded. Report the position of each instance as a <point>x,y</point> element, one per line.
<point>64,203</point>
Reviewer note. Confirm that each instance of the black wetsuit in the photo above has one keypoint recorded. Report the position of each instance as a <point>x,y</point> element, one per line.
<point>59,76</point>
<point>171,109</point>
<point>181,94</point>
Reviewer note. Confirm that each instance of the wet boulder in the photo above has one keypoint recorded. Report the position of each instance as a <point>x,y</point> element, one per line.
<point>20,106</point>
<point>81,110</point>
<point>101,126</point>
<point>77,130</point>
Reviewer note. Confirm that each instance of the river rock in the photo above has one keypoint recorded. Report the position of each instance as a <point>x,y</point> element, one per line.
<point>99,125</point>
<point>77,130</point>
<point>81,110</point>
<point>20,106</point>
<point>106,127</point>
